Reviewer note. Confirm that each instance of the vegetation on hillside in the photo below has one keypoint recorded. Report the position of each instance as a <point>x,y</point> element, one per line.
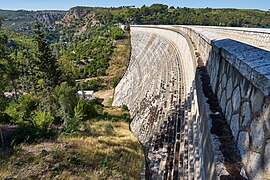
<point>38,98</point>
<point>100,150</point>
<point>163,14</point>
<point>155,14</point>
<point>23,20</point>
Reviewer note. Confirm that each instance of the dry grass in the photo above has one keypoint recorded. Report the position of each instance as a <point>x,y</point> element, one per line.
<point>103,149</point>
<point>106,95</point>
<point>93,154</point>
<point>118,63</point>
<point>120,57</point>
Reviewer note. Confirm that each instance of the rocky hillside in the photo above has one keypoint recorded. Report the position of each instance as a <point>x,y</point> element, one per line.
<point>87,15</point>
<point>23,20</point>
<point>76,13</point>
<point>49,18</point>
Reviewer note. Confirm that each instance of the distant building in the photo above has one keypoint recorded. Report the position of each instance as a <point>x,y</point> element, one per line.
<point>88,94</point>
<point>120,25</point>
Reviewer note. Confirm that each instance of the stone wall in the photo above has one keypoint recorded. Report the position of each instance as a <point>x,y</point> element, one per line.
<point>240,78</point>
<point>259,37</point>
<point>171,115</point>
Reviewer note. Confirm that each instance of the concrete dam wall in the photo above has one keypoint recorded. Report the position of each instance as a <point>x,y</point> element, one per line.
<point>199,101</point>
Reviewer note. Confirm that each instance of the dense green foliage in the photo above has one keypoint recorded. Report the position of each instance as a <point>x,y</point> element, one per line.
<point>94,84</point>
<point>87,54</point>
<point>162,14</point>
<point>40,99</point>
<point>38,72</point>
<point>47,62</point>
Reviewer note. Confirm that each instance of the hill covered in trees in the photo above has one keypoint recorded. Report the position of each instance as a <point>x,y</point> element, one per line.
<point>23,20</point>
<point>155,14</point>
<point>41,60</point>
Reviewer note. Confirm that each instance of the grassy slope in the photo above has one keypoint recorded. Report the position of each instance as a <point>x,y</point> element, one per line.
<point>95,153</point>
<point>117,64</point>
<point>119,58</point>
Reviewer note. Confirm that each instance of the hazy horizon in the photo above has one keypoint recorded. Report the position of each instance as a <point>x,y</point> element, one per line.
<point>33,5</point>
<point>120,6</point>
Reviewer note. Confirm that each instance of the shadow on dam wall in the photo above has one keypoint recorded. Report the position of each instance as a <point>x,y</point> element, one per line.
<point>209,125</point>
<point>194,134</point>
<point>239,77</point>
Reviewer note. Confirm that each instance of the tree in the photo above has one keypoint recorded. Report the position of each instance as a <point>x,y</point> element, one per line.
<point>9,65</point>
<point>12,71</point>
<point>116,33</point>
<point>67,68</point>
<point>3,82</point>
<point>1,21</point>
<point>47,62</point>
<point>65,100</point>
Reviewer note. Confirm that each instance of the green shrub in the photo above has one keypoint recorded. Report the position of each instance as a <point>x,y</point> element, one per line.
<point>124,107</point>
<point>117,33</point>
<point>95,84</point>
<point>22,111</point>
<point>64,100</point>
<point>3,102</point>
<point>39,128</point>
<point>115,81</point>
<point>79,110</point>
<point>126,117</point>
<point>106,115</point>
<point>43,119</point>
<point>30,134</point>
<point>84,110</point>
<point>5,118</point>
<point>108,128</point>
<point>92,109</point>
<point>114,119</point>
<point>71,126</point>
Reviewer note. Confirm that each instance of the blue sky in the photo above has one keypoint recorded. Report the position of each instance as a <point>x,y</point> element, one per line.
<point>66,4</point>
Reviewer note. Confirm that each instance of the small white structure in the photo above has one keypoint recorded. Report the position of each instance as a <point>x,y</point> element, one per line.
<point>87,94</point>
<point>122,26</point>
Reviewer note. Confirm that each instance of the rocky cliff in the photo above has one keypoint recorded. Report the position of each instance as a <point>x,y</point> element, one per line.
<point>23,20</point>
<point>86,15</point>
<point>49,18</point>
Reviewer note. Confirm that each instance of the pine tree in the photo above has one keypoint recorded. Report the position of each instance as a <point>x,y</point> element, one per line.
<point>9,65</point>
<point>3,75</point>
<point>29,72</point>
<point>47,62</point>
<point>12,71</point>
<point>1,21</point>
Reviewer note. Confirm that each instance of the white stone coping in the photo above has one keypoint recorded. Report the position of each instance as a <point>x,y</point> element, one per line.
<point>254,30</point>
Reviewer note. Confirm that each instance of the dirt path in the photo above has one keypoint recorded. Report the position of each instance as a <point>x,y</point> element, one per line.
<point>107,95</point>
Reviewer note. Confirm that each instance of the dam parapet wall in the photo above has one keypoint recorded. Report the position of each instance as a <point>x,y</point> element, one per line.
<point>240,78</point>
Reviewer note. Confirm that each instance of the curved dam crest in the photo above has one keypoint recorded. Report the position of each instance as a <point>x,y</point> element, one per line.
<point>199,101</point>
